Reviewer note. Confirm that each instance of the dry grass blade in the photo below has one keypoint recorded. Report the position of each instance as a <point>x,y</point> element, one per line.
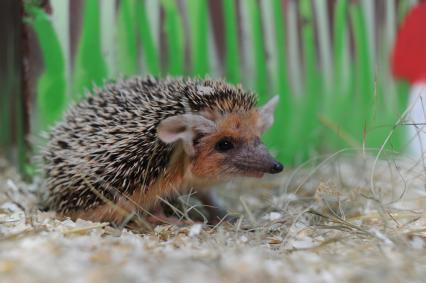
<point>343,224</point>
<point>250,215</point>
<point>84,230</point>
<point>338,131</point>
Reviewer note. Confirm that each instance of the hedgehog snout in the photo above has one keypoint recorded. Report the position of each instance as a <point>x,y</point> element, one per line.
<point>267,163</point>
<point>256,158</point>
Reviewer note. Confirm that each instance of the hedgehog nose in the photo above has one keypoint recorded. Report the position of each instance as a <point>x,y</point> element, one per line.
<point>276,168</point>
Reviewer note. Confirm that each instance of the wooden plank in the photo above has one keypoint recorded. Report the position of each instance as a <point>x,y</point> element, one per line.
<point>10,74</point>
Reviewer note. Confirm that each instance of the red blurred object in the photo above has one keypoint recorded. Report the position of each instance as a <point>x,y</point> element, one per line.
<point>409,53</point>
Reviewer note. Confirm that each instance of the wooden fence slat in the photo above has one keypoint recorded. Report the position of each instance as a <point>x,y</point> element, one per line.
<point>14,82</point>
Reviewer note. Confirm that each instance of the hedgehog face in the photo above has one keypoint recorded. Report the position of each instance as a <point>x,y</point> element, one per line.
<point>223,145</point>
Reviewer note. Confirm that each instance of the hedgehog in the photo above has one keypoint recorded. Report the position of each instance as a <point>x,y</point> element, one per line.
<point>136,141</point>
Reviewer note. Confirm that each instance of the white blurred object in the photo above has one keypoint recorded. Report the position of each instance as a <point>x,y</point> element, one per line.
<point>417,119</point>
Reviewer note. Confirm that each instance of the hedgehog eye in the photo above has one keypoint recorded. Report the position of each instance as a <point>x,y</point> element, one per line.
<point>224,144</point>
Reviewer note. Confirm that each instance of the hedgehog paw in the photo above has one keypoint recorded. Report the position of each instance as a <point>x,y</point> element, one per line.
<point>158,217</point>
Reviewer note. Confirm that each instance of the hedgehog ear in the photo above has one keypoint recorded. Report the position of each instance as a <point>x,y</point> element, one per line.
<point>184,127</point>
<point>267,113</point>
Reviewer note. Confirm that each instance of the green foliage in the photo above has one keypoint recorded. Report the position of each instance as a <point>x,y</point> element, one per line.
<point>344,103</point>
<point>340,41</point>
<point>232,56</point>
<point>199,32</point>
<point>310,102</point>
<point>261,84</point>
<point>150,53</point>
<point>284,110</point>
<point>89,67</point>
<point>175,39</point>
<point>127,55</point>
<point>51,86</point>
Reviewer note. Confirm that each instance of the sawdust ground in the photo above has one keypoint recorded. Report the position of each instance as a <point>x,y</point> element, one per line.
<point>339,220</point>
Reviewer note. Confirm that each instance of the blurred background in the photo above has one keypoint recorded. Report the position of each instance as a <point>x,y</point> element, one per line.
<point>328,60</point>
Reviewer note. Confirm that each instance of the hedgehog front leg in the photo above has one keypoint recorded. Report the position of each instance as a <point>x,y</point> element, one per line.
<point>157,216</point>
<point>215,210</point>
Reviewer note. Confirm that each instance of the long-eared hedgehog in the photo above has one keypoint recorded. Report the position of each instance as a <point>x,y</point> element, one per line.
<point>138,140</point>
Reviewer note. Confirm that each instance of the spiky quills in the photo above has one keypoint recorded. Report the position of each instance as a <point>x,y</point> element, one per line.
<point>108,144</point>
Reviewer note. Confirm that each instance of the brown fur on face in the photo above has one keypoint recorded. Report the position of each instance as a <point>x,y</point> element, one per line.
<point>240,127</point>
<point>223,144</point>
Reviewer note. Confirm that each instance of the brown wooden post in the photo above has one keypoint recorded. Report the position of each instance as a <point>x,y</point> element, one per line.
<point>10,73</point>
<point>20,67</point>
